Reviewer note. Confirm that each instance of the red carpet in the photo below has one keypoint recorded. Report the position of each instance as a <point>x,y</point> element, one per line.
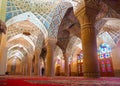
<point>24,81</point>
<point>58,81</point>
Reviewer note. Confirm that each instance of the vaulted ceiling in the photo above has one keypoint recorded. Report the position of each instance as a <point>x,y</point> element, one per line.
<point>55,19</point>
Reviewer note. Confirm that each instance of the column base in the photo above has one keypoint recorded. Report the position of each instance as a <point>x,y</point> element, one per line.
<point>92,75</point>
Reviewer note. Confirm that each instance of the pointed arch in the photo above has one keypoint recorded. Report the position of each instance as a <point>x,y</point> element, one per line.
<point>24,37</point>
<point>16,53</point>
<point>18,45</point>
<point>30,17</point>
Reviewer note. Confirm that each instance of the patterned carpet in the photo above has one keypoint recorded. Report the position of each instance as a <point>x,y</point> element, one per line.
<point>58,81</point>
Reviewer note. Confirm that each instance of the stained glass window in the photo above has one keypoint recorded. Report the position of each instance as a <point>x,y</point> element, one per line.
<point>104,54</point>
<point>108,66</point>
<point>80,57</point>
<point>104,51</point>
<point>103,66</point>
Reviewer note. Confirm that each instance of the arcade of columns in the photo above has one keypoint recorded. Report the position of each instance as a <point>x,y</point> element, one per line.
<point>86,15</point>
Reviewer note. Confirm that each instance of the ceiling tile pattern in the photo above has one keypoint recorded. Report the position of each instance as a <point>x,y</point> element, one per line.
<point>50,13</point>
<point>21,49</point>
<point>24,26</point>
<point>23,42</point>
<point>43,10</point>
<point>59,13</point>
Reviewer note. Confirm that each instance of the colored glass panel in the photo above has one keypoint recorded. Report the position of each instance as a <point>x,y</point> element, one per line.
<point>104,51</point>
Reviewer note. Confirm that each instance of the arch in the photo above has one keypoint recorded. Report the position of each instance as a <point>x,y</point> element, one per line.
<point>58,61</point>
<point>74,3</point>
<point>105,60</point>
<point>57,52</point>
<point>105,36</point>
<point>18,45</point>
<point>32,18</point>
<point>73,44</point>
<point>16,57</point>
<point>24,37</point>
<point>105,22</point>
<point>69,27</point>
<point>58,16</point>
<point>14,52</point>
<point>111,27</point>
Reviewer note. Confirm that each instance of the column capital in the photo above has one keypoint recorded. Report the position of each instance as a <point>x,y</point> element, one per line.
<point>87,11</point>
<point>86,15</point>
<point>94,4</point>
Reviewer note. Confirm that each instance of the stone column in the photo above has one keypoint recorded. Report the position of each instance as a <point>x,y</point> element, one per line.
<point>3,54</point>
<point>40,66</point>
<point>24,66</point>
<point>37,64</point>
<point>3,61</point>
<point>66,65</point>
<point>29,64</point>
<point>86,17</point>
<point>49,71</point>
<point>3,48</point>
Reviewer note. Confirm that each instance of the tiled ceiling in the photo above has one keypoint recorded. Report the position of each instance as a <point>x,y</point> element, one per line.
<point>50,13</point>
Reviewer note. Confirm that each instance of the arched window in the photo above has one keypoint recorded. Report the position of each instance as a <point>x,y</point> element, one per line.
<point>80,63</point>
<point>105,60</point>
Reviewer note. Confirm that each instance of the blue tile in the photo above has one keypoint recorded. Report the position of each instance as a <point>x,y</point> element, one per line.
<point>8,9</point>
<point>8,16</point>
<point>8,3</point>
<point>46,24</point>
<point>13,8</point>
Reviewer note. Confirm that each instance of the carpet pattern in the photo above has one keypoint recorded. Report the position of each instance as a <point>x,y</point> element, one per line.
<point>58,81</point>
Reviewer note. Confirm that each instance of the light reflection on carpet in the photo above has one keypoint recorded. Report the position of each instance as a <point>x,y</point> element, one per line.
<point>76,82</point>
<point>60,81</point>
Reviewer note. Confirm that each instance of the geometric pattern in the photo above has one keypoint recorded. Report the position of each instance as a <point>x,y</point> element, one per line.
<point>24,26</point>
<point>16,7</point>
<point>51,12</point>
<point>58,53</point>
<point>25,41</point>
<point>72,45</point>
<point>111,26</point>
<point>15,53</point>
<point>106,37</point>
<point>59,13</point>
<point>46,11</point>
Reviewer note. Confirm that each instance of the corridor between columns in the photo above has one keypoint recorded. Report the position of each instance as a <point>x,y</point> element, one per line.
<point>71,38</point>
